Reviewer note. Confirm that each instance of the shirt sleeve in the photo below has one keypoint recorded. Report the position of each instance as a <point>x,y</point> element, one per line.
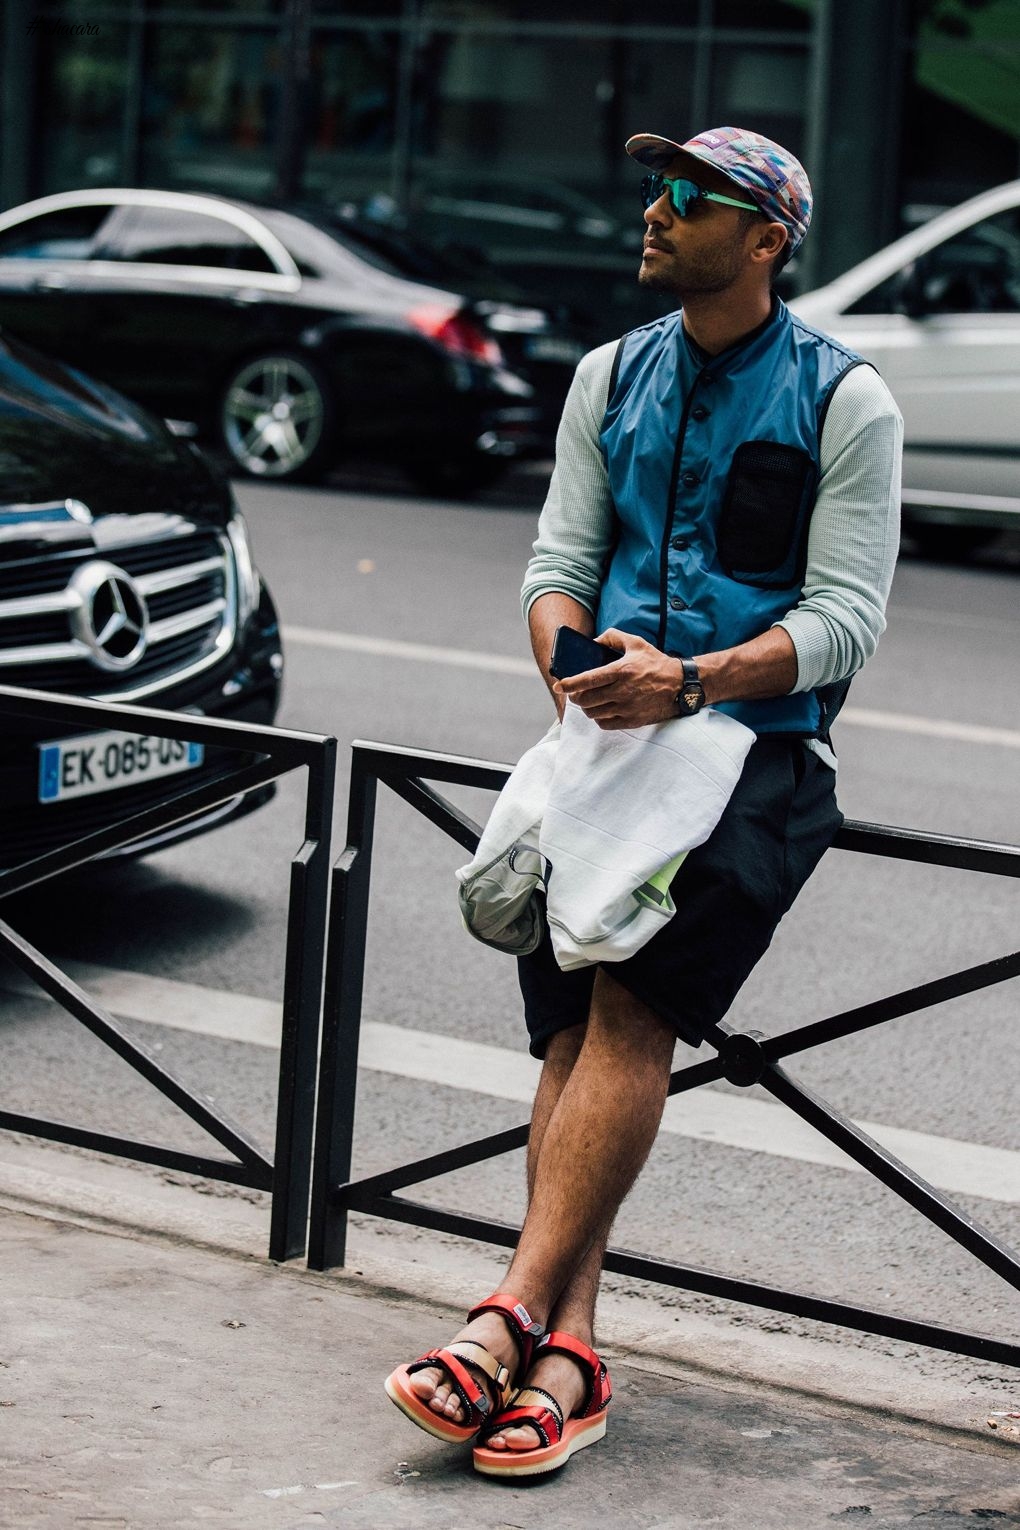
<point>854,534</point>
<point>577,524</point>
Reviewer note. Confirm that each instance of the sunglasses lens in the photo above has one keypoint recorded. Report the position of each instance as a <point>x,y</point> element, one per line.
<point>681,193</point>
<point>652,188</point>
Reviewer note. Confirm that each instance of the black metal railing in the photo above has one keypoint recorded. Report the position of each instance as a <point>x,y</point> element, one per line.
<point>743,1058</point>
<point>244,758</point>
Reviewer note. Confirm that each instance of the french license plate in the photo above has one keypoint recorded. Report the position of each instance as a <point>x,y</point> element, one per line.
<point>553,348</point>
<point>99,762</point>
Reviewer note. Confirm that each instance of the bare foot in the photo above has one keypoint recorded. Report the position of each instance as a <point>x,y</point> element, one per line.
<point>432,1385</point>
<point>563,1379</point>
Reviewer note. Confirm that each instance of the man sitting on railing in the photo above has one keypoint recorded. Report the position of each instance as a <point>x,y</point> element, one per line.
<point>724,511</point>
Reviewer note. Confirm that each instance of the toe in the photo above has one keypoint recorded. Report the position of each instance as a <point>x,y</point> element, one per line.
<point>433,1388</point>
<point>514,1439</point>
<point>423,1384</point>
<point>443,1399</point>
<point>522,1439</point>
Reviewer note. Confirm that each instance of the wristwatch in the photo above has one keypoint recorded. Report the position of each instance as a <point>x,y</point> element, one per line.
<point>690,698</point>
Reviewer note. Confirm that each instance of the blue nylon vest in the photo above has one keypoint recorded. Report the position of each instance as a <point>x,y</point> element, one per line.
<point>714,463</point>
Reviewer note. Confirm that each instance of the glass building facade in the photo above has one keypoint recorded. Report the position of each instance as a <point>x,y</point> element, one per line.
<point>498,125</point>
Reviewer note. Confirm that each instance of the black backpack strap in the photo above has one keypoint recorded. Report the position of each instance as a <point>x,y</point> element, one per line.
<point>614,375</point>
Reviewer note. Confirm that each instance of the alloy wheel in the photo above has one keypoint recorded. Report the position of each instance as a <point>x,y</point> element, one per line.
<point>274,416</point>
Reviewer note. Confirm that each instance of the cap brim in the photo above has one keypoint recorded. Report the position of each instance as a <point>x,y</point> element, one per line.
<point>659,153</point>
<point>653,151</point>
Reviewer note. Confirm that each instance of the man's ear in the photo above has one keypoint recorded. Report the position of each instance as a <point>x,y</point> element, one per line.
<point>771,237</point>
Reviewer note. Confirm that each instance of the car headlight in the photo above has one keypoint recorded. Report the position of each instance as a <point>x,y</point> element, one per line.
<point>248,587</point>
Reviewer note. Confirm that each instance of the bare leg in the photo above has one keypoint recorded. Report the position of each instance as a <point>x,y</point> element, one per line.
<point>607,1040</point>
<point>594,1141</point>
<point>432,1385</point>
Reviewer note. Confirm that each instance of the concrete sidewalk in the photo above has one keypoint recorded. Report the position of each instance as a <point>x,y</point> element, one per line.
<point>150,1378</point>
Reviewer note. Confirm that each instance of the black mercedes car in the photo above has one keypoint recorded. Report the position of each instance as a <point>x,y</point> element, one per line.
<point>289,336</point>
<point>125,575</point>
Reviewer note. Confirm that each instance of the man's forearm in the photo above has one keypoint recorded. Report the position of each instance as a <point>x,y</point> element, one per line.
<point>642,685</point>
<point>764,667</point>
<point>546,614</point>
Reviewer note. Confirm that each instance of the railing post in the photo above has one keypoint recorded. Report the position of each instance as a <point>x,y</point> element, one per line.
<point>302,1005</point>
<point>341,1023</point>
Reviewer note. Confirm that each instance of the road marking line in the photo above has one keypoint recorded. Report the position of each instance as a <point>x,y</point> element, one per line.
<point>931,727</point>
<point>861,717</point>
<point>753,1125</point>
<point>954,619</point>
<point>391,648</point>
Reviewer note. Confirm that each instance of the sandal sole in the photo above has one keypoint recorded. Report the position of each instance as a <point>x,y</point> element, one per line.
<point>548,1458</point>
<point>421,1414</point>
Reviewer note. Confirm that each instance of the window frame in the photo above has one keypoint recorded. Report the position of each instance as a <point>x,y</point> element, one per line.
<point>284,277</point>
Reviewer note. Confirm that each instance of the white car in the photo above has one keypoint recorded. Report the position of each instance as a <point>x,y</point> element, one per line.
<point>938,312</point>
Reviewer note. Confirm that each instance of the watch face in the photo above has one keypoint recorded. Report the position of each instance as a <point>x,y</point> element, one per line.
<point>691,697</point>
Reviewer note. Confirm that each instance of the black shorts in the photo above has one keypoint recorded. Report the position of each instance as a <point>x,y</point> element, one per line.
<point>730,894</point>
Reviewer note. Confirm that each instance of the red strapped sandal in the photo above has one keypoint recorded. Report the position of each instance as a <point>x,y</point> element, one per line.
<point>540,1410</point>
<point>455,1360</point>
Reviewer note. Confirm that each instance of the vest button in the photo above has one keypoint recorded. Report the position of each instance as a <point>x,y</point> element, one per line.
<point>708,377</point>
<point>677,604</point>
<point>690,480</point>
<point>699,412</point>
<point>679,543</point>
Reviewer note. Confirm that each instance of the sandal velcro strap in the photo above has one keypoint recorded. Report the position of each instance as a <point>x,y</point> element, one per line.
<point>483,1360</point>
<point>598,1391</point>
<point>519,1320</point>
<point>544,1415</point>
<point>463,1383</point>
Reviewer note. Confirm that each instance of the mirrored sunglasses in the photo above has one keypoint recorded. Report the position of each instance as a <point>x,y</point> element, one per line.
<point>683,194</point>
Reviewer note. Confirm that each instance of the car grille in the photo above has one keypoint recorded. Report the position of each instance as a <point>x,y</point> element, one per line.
<point>187,586</point>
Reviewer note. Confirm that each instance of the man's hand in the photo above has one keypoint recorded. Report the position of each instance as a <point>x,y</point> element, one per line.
<point>636,689</point>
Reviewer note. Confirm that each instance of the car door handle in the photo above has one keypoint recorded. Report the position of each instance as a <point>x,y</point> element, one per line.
<point>51,282</point>
<point>245,297</point>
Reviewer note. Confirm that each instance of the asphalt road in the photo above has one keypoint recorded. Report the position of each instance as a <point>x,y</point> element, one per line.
<point>402,625</point>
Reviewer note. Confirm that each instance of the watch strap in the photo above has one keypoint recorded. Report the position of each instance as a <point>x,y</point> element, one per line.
<point>690,698</point>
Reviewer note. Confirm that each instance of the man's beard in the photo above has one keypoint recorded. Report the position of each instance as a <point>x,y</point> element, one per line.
<point>687,280</point>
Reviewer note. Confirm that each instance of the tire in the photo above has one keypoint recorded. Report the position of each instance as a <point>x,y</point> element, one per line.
<point>276,417</point>
<point>458,475</point>
<point>949,542</point>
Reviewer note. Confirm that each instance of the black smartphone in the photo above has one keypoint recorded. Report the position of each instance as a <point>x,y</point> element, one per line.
<point>574,654</point>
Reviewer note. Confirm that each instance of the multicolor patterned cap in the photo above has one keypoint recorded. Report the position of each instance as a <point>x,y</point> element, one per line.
<point>770,174</point>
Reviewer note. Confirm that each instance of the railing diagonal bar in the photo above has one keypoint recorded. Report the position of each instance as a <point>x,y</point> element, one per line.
<point>894,1174</point>
<point>357,1191</point>
<point>256,1176</point>
<point>708,1072</point>
<point>102,1025</point>
<point>437,809</point>
<point>907,1002</point>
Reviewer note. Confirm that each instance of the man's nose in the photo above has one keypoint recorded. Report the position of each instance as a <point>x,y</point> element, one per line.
<point>660,213</point>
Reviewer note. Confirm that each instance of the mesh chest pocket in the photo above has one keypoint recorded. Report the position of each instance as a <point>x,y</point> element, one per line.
<point>768,493</point>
